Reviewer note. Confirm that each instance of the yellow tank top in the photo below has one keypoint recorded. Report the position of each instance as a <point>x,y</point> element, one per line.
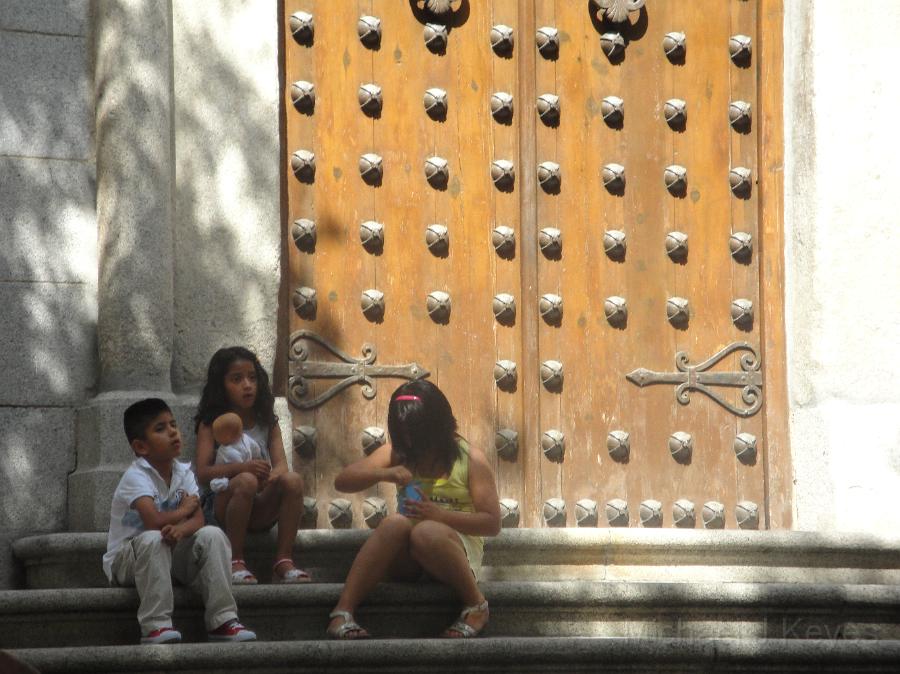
<point>452,492</point>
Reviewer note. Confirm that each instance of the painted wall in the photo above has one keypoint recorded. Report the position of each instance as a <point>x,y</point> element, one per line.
<point>842,175</point>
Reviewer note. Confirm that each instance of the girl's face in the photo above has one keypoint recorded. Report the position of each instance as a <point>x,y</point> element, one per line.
<point>240,384</point>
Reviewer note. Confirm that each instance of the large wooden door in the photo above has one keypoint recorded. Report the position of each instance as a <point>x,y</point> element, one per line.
<point>557,218</point>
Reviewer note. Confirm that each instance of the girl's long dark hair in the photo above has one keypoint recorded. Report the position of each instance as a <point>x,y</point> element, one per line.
<point>423,428</point>
<point>214,399</point>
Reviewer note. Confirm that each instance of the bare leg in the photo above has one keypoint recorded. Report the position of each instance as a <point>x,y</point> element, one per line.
<point>233,507</point>
<point>283,499</point>
<point>440,552</point>
<point>385,552</point>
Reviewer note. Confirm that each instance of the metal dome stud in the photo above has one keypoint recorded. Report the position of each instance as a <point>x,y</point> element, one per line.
<point>303,96</point>
<point>374,511</point>
<point>681,446</point>
<point>586,513</point>
<point>504,307</point>
<point>438,306</point>
<point>340,513</point>
<point>371,235</point>
<point>615,244</point>
<point>303,231</point>
<point>506,442</point>
<point>553,444</point>
<point>618,444</point>
<point>505,375</point>
<point>547,40</point>
<point>371,438</point>
<point>651,513</point>
<point>617,512</point>
<point>437,238</point>
<point>554,512</point>
<point>509,513</point>
<point>368,28</point>
<point>683,515</point>
<point>303,439</point>
<point>305,302</point>
<point>302,27</point>
<point>370,99</point>
<point>713,515</point>
<point>303,164</point>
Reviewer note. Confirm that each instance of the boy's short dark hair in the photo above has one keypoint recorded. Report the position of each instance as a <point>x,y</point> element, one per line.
<point>139,415</point>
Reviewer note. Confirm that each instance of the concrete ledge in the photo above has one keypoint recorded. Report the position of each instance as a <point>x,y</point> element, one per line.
<point>73,559</point>
<point>437,656</point>
<point>38,618</point>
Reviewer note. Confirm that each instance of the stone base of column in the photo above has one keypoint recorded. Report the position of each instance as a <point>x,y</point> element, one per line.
<point>104,453</point>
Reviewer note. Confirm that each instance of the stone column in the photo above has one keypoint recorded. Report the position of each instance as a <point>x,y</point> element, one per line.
<point>132,50</point>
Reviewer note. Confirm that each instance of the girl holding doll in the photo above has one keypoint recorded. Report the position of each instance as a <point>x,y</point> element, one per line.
<point>261,491</point>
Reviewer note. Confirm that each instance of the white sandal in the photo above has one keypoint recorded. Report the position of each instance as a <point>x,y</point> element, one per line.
<point>241,576</point>
<point>465,630</point>
<point>349,625</point>
<point>290,577</point>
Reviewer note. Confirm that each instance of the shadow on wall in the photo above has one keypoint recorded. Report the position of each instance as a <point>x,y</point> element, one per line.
<point>48,260</point>
<point>228,203</point>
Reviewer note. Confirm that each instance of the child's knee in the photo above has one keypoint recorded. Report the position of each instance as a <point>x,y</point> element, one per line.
<point>395,525</point>
<point>424,536</point>
<point>210,535</point>
<point>244,484</point>
<point>292,483</point>
<point>150,538</point>
<point>147,543</point>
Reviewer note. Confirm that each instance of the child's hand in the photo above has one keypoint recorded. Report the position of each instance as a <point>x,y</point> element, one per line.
<point>259,469</point>
<point>399,475</point>
<point>189,504</point>
<point>172,533</point>
<point>422,509</point>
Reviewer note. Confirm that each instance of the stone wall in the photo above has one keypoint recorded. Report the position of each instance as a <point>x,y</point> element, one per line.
<point>842,293</point>
<point>48,259</point>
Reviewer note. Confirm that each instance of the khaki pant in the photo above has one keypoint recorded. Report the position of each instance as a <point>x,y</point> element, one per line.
<point>202,562</point>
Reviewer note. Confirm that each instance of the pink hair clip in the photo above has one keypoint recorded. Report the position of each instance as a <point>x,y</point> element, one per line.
<point>413,398</point>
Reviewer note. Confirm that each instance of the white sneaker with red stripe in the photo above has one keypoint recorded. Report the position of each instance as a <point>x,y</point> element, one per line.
<point>231,631</point>
<point>164,635</point>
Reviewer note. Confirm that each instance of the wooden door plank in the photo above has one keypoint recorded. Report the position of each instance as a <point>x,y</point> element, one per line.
<point>300,132</point>
<point>705,215</point>
<point>343,268</point>
<point>586,402</point>
<point>503,143</point>
<point>405,202</point>
<point>648,340</point>
<point>550,343</point>
<point>746,278</point>
<point>776,455</point>
<point>526,189</point>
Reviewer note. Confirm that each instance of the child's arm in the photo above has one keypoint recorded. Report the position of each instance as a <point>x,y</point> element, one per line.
<point>370,470</point>
<point>208,470</point>
<point>172,533</point>
<point>485,521</point>
<point>153,519</point>
<point>276,453</point>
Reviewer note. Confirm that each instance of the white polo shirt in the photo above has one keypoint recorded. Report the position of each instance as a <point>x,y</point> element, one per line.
<point>142,479</point>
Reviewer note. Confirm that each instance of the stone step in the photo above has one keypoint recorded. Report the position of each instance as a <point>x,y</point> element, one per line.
<point>73,559</point>
<point>547,655</point>
<point>755,611</point>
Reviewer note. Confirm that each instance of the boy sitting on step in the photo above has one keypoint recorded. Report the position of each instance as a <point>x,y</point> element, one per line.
<point>156,532</point>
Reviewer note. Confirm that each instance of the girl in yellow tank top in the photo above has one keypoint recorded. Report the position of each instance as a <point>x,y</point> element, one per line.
<point>446,503</point>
